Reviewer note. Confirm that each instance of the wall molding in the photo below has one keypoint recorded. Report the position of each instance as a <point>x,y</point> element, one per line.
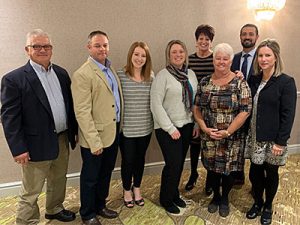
<point>12,188</point>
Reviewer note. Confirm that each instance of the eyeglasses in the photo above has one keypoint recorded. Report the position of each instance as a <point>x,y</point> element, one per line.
<point>39,47</point>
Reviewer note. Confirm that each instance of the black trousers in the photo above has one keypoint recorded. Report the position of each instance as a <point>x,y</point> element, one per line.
<point>133,151</point>
<point>95,178</point>
<point>174,153</point>
<point>264,178</point>
<point>195,150</point>
<point>227,183</point>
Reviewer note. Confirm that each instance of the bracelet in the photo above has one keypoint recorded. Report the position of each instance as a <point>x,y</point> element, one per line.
<point>227,133</point>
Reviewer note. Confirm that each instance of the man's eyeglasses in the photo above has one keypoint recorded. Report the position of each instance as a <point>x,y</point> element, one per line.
<point>39,47</point>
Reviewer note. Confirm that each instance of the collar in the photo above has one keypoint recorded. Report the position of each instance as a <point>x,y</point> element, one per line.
<point>101,66</point>
<point>40,68</point>
<point>251,53</point>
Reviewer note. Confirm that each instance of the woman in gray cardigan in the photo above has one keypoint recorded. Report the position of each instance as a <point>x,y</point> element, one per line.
<point>172,95</point>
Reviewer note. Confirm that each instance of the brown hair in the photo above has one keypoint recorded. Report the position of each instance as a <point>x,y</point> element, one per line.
<point>205,29</point>
<point>147,67</point>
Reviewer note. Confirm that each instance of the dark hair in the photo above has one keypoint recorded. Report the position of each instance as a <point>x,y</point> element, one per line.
<point>147,67</point>
<point>249,25</point>
<point>205,29</point>
<point>94,33</point>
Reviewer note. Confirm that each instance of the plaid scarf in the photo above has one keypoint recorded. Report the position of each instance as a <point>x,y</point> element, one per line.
<point>187,91</point>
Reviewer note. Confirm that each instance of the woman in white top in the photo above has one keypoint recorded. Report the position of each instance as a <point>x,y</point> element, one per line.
<point>172,95</point>
<point>136,79</point>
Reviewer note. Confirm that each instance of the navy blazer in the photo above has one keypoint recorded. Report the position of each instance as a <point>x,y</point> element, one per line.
<point>27,117</point>
<point>276,108</point>
<point>236,64</point>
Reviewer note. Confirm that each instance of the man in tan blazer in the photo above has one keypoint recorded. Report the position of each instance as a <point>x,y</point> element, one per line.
<point>98,104</point>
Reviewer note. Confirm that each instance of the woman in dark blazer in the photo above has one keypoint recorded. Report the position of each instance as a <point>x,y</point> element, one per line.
<point>274,102</point>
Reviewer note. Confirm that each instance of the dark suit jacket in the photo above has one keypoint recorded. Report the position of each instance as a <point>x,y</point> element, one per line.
<point>236,64</point>
<point>275,108</point>
<point>26,114</point>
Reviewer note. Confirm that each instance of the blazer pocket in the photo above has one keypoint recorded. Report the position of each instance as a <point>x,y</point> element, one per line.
<point>99,126</point>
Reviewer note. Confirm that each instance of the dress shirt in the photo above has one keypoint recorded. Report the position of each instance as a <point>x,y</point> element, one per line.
<point>53,91</point>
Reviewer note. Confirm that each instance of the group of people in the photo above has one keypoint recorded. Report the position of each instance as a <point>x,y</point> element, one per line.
<point>226,107</point>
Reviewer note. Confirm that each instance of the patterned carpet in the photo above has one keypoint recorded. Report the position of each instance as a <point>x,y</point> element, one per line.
<point>286,205</point>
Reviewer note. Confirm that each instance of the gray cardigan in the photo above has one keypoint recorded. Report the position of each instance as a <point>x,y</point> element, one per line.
<point>166,101</point>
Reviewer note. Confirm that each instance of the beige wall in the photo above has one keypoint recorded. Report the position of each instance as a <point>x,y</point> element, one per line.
<point>156,22</point>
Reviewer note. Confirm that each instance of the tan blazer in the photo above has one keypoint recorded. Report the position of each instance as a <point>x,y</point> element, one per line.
<point>94,106</point>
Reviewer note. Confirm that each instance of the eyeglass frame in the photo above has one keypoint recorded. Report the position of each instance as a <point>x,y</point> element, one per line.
<point>39,47</point>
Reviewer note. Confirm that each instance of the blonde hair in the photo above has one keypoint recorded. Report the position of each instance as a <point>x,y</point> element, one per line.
<point>147,67</point>
<point>274,46</point>
<point>168,49</point>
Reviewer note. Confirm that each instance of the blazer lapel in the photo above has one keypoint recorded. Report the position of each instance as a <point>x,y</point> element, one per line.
<point>100,74</point>
<point>37,87</point>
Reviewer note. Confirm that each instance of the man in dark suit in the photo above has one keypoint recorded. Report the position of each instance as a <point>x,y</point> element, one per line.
<point>248,37</point>
<point>243,61</point>
<point>39,123</point>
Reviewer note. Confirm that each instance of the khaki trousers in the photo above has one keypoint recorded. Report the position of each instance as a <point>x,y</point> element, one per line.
<point>34,175</point>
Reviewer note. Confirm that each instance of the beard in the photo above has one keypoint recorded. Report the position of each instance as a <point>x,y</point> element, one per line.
<point>248,43</point>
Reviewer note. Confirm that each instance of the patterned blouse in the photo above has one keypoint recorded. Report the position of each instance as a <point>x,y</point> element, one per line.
<point>219,106</point>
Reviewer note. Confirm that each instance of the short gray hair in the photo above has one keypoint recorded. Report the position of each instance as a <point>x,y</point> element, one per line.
<point>224,48</point>
<point>36,33</point>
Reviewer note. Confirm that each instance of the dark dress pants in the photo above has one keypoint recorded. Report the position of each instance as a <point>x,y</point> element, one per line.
<point>95,179</point>
<point>174,153</point>
<point>133,151</point>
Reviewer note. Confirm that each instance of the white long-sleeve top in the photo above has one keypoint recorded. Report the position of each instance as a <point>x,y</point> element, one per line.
<point>167,107</point>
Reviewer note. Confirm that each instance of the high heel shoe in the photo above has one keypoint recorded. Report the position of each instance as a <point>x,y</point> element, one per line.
<point>192,182</point>
<point>129,204</point>
<point>139,202</point>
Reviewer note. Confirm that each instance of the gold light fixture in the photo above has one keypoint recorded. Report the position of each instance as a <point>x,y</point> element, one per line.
<point>265,9</point>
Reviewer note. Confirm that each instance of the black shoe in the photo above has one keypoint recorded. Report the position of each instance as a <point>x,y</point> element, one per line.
<point>107,213</point>
<point>224,210</point>
<point>266,217</point>
<point>180,203</point>
<point>254,211</point>
<point>192,182</point>
<point>208,191</point>
<point>64,216</point>
<point>93,221</point>
<point>172,209</point>
<point>213,206</point>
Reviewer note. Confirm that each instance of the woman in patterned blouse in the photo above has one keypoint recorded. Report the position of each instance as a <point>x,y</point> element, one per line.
<point>223,102</point>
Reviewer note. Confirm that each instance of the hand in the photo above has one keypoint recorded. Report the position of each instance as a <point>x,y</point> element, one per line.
<point>222,134</point>
<point>22,159</point>
<point>239,74</point>
<point>98,152</point>
<point>196,132</point>
<point>176,135</point>
<point>213,133</point>
<point>277,149</point>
